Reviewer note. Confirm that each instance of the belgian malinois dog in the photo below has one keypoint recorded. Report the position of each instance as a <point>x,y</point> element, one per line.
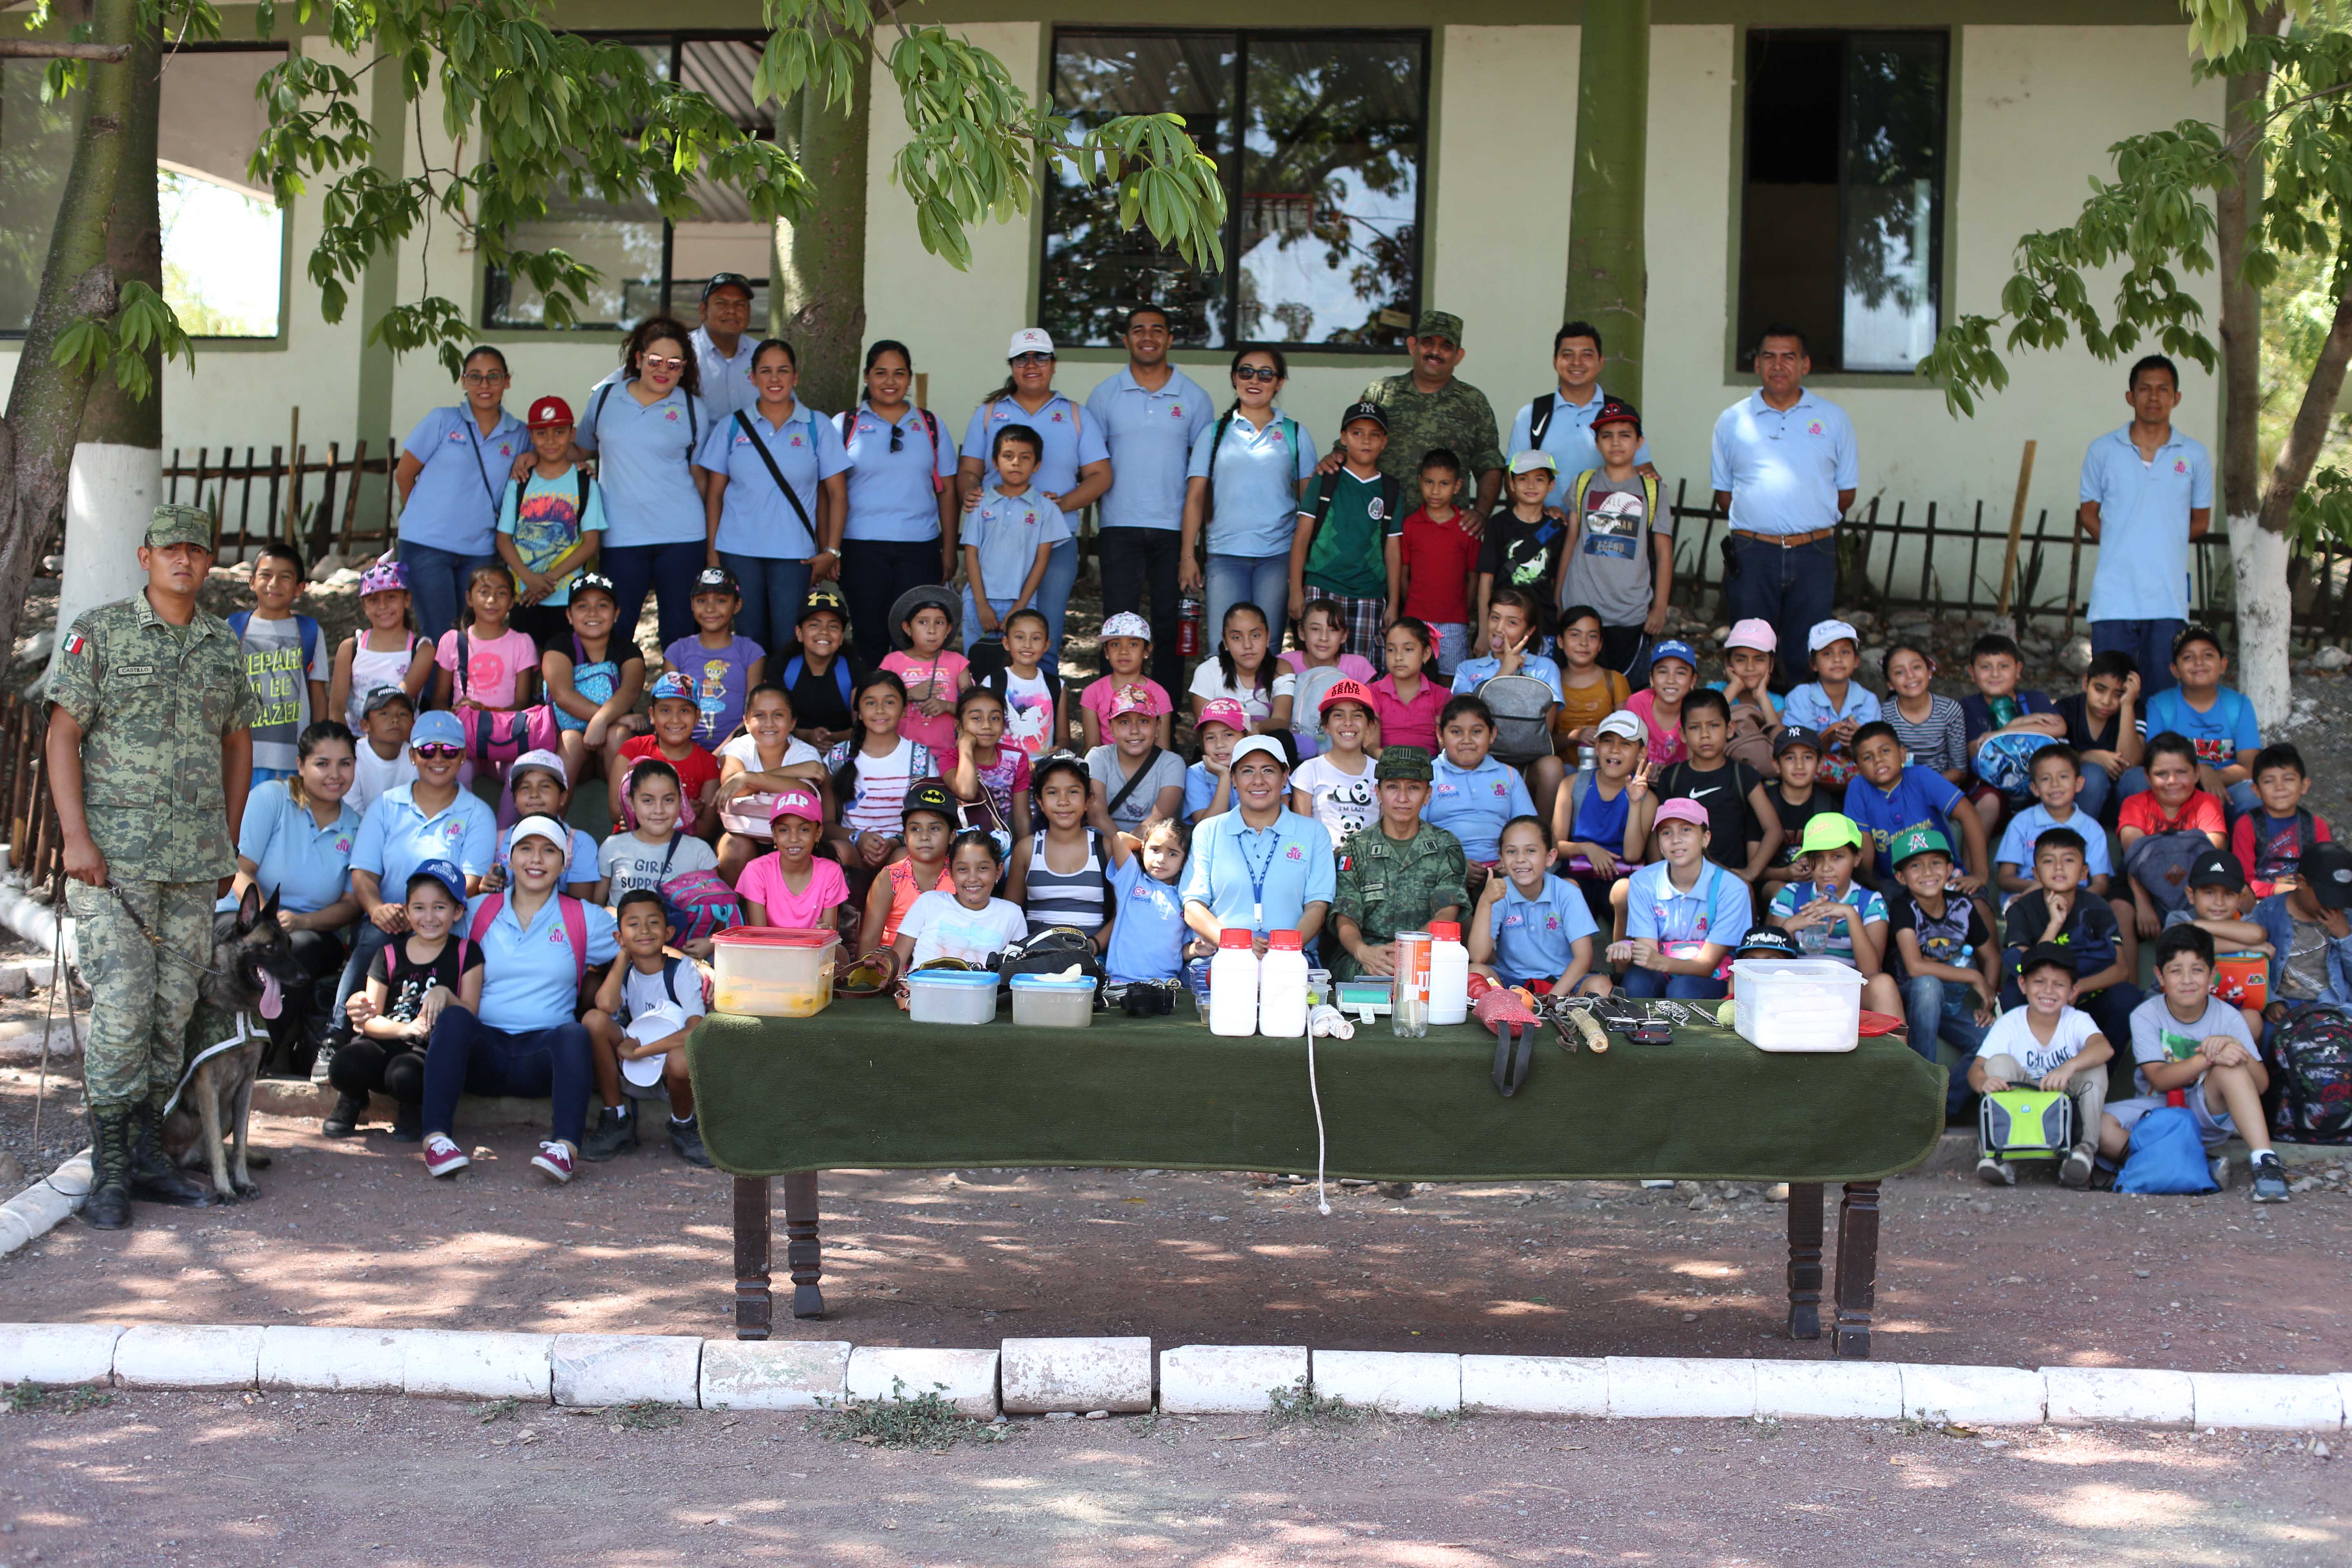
<point>252,967</point>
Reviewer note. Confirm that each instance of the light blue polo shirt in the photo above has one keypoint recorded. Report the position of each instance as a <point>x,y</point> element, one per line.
<point>1072,441</point>
<point>754,518</point>
<point>1536,938</point>
<point>1472,803</point>
<point>1784,467</point>
<point>396,837</point>
<point>309,867</point>
<point>2143,570</point>
<point>1147,942</point>
<point>725,379</point>
<point>1259,878</point>
<point>1715,910</point>
<point>1006,531</point>
<point>1568,438</point>
<point>1150,436</point>
<point>1255,506</point>
<point>1809,707</point>
<point>2025,830</point>
<point>891,496</point>
<point>644,461</point>
<point>530,973</point>
<point>453,505</point>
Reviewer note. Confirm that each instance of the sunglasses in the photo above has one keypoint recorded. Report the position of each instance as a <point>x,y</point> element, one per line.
<point>439,750</point>
<point>1032,359</point>
<point>1257,372</point>
<point>654,361</point>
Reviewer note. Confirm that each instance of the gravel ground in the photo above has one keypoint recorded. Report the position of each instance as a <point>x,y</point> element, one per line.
<point>249,1481</point>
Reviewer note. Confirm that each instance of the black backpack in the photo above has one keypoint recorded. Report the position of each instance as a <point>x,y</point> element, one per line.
<point>1054,951</point>
<point>2310,1059</point>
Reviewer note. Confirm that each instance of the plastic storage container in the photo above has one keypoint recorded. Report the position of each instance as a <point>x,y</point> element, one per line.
<point>774,971</point>
<point>1449,975</point>
<point>1409,998</point>
<point>952,996</point>
<point>1797,1003</point>
<point>1282,987</point>
<point>1041,1000</point>
<point>1232,984</point>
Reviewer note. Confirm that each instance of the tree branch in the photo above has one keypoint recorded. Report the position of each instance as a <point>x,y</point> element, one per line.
<point>2304,437</point>
<point>42,49</point>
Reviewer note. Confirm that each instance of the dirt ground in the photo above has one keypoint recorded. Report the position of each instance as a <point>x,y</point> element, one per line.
<point>248,1481</point>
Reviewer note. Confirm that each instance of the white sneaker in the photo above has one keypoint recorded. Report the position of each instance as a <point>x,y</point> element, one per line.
<point>554,1157</point>
<point>442,1156</point>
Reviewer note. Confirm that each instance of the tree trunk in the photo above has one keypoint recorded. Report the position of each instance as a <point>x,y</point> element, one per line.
<point>1607,270</point>
<point>2258,566</point>
<point>118,463</point>
<point>45,406</point>
<point>818,297</point>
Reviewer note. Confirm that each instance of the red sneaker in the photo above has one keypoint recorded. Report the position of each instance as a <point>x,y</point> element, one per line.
<point>554,1157</point>
<point>442,1156</point>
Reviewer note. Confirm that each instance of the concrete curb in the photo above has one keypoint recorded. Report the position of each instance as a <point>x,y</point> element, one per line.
<point>43,1207</point>
<point>1068,1376</point>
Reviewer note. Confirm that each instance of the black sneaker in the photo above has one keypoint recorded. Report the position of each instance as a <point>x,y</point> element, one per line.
<point>408,1124</point>
<point>612,1133</point>
<point>2270,1179</point>
<point>686,1139</point>
<point>343,1121</point>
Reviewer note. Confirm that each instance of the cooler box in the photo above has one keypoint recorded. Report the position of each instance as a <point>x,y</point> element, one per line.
<point>1797,1003</point>
<point>774,971</point>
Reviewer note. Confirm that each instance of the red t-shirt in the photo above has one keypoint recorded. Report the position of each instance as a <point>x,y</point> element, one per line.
<point>2200,813</point>
<point>699,768</point>
<point>1437,558</point>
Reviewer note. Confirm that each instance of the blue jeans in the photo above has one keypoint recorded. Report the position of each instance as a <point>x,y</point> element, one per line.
<point>1053,597</point>
<point>1260,580</point>
<point>465,1055</point>
<point>1934,1008</point>
<point>1791,588</point>
<point>1647,983</point>
<point>2098,789</point>
<point>668,570</point>
<point>774,587</point>
<point>437,584</point>
<point>972,632</point>
<point>874,573</point>
<point>2149,643</point>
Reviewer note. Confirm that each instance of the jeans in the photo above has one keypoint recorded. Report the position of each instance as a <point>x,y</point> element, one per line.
<point>2149,643</point>
<point>972,632</point>
<point>1260,580</point>
<point>874,573</point>
<point>2098,789</point>
<point>372,939</point>
<point>1139,559</point>
<point>1648,983</point>
<point>1627,649</point>
<point>465,1055</point>
<point>774,587</point>
<point>668,570</point>
<point>1054,597</point>
<point>1934,1008</point>
<point>1791,588</point>
<point>437,584</point>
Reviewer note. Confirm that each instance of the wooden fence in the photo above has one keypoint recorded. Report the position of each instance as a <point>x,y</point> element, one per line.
<point>35,846</point>
<point>311,503</point>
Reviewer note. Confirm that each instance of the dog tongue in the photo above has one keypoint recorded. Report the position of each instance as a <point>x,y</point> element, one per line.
<point>271,1003</point>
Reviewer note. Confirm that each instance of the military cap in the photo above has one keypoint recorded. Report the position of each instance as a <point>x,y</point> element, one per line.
<point>179,525</point>
<point>1408,763</point>
<point>1439,324</point>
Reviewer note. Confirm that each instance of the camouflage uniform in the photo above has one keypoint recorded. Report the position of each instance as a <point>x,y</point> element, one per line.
<point>1457,416</point>
<point>1388,885</point>
<point>154,702</point>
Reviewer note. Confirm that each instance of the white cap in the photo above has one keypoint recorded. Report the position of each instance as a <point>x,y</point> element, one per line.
<point>1030,341</point>
<point>545,827</point>
<point>1259,745</point>
<point>1625,724</point>
<point>1827,632</point>
<point>541,758</point>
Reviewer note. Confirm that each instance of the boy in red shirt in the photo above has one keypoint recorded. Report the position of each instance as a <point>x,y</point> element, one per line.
<point>677,710</point>
<point>1439,557</point>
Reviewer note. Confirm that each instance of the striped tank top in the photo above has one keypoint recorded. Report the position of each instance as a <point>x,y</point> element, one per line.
<point>1079,899</point>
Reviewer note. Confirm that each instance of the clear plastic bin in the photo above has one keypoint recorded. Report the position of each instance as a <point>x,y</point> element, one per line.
<point>1797,1003</point>
<point>952,996</point>
<point>774,971</point>
<point>1043,1002</point>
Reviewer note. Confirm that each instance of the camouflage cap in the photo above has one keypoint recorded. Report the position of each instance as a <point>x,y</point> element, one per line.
<point>179,525</point>
<point>1407,763</point>
<point>1439,324</point>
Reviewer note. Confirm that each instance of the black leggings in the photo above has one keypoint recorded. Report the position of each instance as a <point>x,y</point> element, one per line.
<point>379,1067</point>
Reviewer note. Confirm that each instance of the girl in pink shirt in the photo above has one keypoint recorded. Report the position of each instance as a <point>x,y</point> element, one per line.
<point>1409,698</point>
<point>792,887</point>
<point>484,664</point>
<point>935,675</point>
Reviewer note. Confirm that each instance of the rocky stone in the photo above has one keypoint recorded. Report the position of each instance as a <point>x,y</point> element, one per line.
<point>2331,659</point>
<point>2077,655</point>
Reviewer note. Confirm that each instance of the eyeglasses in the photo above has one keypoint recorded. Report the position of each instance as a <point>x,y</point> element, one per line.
<point>1257,372</point>
<point>651,361</point>
<point>1032,359</point>
<point>438,750</point>
<point>483,377</point>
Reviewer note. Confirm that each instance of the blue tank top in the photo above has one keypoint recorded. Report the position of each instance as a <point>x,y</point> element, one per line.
<point>1602,822</point>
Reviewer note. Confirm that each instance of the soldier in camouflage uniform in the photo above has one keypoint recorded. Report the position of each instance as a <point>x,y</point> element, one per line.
<point>150,751</point>
<point>1398,876</point>
<point>1427,407</point>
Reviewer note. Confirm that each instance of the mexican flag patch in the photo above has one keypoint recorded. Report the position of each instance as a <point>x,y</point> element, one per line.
<point>76,642</point>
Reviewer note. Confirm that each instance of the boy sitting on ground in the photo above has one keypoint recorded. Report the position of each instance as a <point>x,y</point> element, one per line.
<point>1947,964</point>
<point>2189,1042</point>
<point>1831,916</point>
<point>2057,775</point>
<point>648,1004</point>
<point>2049,1044</point>
<point>2061,909</point>
<point>2270,840</point>
<point>2241,948</point>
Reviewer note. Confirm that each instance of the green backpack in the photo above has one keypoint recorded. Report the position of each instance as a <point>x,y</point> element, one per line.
<point>2025,1124</point>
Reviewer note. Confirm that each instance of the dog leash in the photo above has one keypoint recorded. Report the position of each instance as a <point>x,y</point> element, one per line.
<point>58,979</point>
<point>158,943</point>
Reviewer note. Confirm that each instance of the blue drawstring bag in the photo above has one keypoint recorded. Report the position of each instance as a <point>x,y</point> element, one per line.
<point>2167,1155</point>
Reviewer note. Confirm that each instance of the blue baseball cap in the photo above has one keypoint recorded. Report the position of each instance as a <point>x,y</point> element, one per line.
<point>445,873</point>
<point>1675,648</point>
<point>439,727</point>
<point>670,683</point>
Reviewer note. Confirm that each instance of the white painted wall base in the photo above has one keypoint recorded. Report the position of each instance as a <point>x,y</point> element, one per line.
<point>111,493</point>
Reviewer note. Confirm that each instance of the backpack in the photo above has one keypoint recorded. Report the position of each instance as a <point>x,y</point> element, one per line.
<point>2025,1124</point>
<point>1392,511</point>
<point>496,739</point>
<point>309,629</point>
<point>575,926</point>
<point>696,903</point>
<point>1052,951</point>
<point>2310,1057</point>
<point>1522,707</point>
<point>797,665</point>
<point>2160,862</point>
<point>2005,762</point>
<point>930,425</point>
<point>2167,1155</point>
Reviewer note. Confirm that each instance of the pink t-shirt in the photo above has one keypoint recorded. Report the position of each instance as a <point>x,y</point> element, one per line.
<point>1665,746</point>
<point>762,883</point>
<point>1412,724</point>
<point>1097,699</point>
<point>492,665</point>
<point>946,669</point>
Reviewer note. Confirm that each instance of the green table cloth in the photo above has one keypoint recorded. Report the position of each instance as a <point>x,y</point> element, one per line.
<point>860,1086</point>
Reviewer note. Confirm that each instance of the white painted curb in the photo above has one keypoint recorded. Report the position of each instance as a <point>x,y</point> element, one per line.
<point>1227,1379</point>
<point>1535,1384</point>
<point>1396,1382</point>
<point>1040,1376</point>
<point>55,1355</point>
<point>1643,1388</point>
<point>2266,1401</point>
<point>43,1207</point>
<point>1974,1396</point>
<point>174,1356</point>
<point>774,1374</point>
<point>451,1364</point>
<point>625,1369</point>
<point>1833,1390</point>
<point>2133,1396</point>
<point>965,1379</point>
<point>332,1361</point>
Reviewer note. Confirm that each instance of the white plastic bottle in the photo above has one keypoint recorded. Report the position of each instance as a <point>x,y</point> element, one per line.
<point>1449,975</point>
<point>1232,984</point>
<point>1282,987</point>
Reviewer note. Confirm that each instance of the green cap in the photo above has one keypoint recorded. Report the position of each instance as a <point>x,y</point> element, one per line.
<point>1409,763</point>
<point>1914,841</point>
<point>180,525</point>
<point>1439,324</point>
<point>1831,830</point>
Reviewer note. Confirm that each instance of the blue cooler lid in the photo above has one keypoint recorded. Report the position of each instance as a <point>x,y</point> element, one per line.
<point>952,978</point>
<point>1051,983</point>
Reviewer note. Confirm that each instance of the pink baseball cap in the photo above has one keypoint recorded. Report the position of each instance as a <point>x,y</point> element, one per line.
<point>1133,698</point>
<point>1680,809</point>
<point>1755,632</point>
<point>1226,711</point>
<point>797,803</point>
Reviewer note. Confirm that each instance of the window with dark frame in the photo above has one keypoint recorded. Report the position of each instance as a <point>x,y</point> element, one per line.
<point>1842,208</point>
<point>647,267</point>
<point>1320,138</point>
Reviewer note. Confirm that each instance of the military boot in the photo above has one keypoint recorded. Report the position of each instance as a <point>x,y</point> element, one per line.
<point>154,1178</point>
<point>108,1207</point>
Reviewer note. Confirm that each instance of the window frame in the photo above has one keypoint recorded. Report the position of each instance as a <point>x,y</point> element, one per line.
<point>1738,357</point>
<point>1425,39</point>
<point>604,330</point>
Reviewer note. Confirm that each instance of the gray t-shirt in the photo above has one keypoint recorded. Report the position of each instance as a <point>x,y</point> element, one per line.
<point>1103,767</point>
<point>1610,568</point>
<point>628,862</point>
<point>273,668</point>
<point>2158,1037</point>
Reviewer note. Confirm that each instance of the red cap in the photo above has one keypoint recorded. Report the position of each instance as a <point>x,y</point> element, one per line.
<point>1236,936</point>
<point>1445,931</point>
<point>548,412</point>
<point>1344,690</point>
<point>1283,942</point>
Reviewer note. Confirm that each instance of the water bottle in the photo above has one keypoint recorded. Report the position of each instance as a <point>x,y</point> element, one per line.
<point>1409,998</point>
<point>1813,940</point>
<point>1191,617</point>
<point>1282,987</point>
<point>1449,975</point>
<point>1232,983</point>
